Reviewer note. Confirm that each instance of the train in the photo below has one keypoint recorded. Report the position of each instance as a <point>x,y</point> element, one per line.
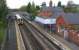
<point>19,19</point>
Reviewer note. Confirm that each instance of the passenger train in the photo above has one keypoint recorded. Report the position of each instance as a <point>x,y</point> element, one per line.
<point>19,19</point>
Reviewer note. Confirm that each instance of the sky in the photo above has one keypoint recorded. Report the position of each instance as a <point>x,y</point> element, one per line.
<point>18,3</point>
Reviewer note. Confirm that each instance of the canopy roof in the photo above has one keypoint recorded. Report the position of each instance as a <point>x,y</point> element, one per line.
<point>45,21</point>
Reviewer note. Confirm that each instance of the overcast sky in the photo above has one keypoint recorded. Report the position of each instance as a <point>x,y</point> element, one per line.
<point>18,3</point>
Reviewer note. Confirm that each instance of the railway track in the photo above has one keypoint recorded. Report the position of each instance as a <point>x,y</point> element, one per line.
<point>34,40</point>
<point>10,42</point>
<point>30,42</point>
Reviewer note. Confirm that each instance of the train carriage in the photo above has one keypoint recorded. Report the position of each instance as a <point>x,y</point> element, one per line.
<point>19,19</point>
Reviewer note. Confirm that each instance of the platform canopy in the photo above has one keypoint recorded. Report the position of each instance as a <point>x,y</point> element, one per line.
<point>50,21</point>
<point>45,21</point>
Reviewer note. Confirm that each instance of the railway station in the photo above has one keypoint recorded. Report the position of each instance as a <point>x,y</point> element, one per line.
<point>39,25</point>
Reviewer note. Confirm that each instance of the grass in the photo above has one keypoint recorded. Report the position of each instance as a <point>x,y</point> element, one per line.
<point>2,30</point>
<point>1,35</point>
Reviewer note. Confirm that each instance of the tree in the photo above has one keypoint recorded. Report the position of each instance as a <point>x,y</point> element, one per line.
<point>28,8</point>
<point>3,8</point>
<point>31,8</point>
<point>37,8</point>
<point>59,4</point>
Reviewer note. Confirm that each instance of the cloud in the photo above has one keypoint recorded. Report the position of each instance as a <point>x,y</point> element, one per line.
<point>18,3</point>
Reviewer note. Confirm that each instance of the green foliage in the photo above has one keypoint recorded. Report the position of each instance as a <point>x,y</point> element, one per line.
<point>1,35</point>
<point>59,4</point>
<point>37,8</point>
<point>31,8</point>
<point>71,9</point>
<point>28,8</point>
<point>63,6</point>
<point>3,13</point>
<point>2,26</point>
<point>3,8</point>
<point>2,30</point>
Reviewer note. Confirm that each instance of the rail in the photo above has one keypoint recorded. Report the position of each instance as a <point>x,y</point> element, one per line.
<point>54,40</point>
<point>45,43</point>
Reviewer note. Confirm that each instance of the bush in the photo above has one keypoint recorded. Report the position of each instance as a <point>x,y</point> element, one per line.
<point>2,30</point>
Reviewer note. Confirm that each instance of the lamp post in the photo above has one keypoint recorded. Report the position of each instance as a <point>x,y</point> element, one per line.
<point>50,28</point>
<point>51,25</point>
